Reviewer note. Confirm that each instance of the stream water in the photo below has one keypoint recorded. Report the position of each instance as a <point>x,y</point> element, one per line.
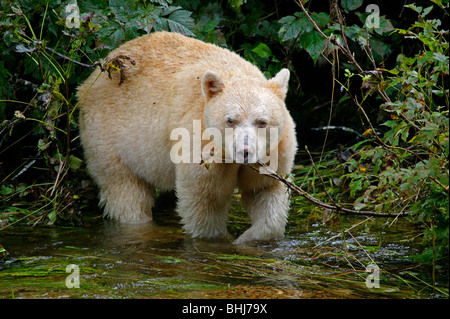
<point>156,260</point>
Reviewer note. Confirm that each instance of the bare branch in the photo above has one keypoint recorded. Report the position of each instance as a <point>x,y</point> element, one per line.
<point>341,210</point>
<point>89,66</point>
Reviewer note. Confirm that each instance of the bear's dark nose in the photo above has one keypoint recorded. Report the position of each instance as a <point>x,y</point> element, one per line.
<point>245,154</point>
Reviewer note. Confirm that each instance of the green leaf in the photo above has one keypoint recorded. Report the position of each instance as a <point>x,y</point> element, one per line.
<point>359,206</point>
<point>180,21</point>
<point>42,146</point>
<point>321,18</point>
<point>300,25</point>
<point>385,26</point>
<point>210,25</point>
<point>74,162</point>
<point>290,28</point>
<point>314,44</point>
<point>438,56</point>
<point>350,5</point>
<point>6,190</point>
<point>236,4</point>
<point>117,37</point>
<point>52,216</point>
<point>380,49</point>
<point>426,11</point>
<point>262,50</point>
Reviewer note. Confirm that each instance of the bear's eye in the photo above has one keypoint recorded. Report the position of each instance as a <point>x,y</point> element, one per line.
<point>261,123</point>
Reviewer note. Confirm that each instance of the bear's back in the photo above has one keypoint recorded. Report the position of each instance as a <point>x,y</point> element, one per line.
<point>162,57</point>
<point>169,52</point>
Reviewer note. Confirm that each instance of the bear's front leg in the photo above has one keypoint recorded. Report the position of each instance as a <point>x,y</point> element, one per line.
<point>204,196</point>
<point>268,210</point>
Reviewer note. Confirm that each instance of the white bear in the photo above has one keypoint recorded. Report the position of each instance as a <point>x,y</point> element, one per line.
<point>175,84</point>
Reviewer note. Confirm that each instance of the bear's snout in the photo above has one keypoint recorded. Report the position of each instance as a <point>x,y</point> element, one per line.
<point>245,150</point>
<point>245,154</point>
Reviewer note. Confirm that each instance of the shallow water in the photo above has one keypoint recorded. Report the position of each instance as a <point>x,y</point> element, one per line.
<point>156,260</point>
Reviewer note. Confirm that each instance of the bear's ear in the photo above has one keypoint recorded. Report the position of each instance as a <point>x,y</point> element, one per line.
<point>211,84</point>
<point>279,83</point>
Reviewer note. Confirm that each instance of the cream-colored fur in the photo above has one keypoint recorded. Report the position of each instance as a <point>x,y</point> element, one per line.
<point>125,131</point>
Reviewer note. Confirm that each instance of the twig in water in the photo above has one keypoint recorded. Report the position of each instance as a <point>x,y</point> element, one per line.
<point>340,234</point>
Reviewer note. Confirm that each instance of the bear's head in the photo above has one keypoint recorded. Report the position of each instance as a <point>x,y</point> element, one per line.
<point>250,114</point>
